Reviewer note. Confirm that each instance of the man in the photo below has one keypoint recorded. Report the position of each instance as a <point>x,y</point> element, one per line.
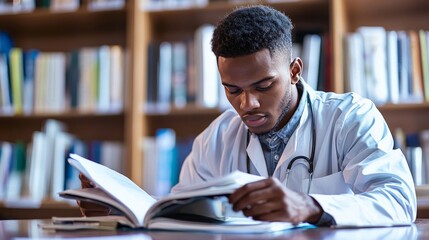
<point>328,158</point>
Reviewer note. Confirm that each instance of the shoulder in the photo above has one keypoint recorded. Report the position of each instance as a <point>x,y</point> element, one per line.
<point>343,106</point>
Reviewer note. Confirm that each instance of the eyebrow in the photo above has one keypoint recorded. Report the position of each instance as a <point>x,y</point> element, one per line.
<point>253,84</point>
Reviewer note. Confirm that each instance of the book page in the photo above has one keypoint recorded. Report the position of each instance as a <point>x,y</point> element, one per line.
<point>233,179</point>
<point>116,185</point>
<point>98,196</point>
<point>214,187</point>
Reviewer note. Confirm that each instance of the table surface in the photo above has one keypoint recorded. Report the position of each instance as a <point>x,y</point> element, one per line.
<point>12,229</point>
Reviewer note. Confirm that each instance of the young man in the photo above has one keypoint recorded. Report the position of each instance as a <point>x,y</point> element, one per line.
<point>345,169</point>
<point>328,158</point>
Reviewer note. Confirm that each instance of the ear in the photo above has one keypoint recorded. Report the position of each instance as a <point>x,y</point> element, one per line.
<point>296,70</point>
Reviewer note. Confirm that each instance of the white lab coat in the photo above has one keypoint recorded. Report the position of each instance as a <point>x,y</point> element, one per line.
<point>358,178</point>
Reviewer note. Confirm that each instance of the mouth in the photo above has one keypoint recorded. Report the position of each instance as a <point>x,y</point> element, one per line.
<point>254,120</point>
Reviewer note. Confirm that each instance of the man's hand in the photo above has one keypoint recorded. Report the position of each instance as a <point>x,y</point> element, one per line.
<point>89,209</point>
<point>268,200</point>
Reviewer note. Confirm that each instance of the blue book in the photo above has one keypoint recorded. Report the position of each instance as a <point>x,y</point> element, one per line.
<point>29,65</point>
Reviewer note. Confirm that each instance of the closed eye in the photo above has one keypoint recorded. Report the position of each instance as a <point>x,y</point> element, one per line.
<point>264,86</point>
<point>232,90</point>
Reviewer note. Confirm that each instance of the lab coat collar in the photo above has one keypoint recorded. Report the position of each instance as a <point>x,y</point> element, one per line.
<point>254,148</point>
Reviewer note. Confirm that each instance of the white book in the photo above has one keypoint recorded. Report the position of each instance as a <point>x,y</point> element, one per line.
<point>87,98</point>
<point>205,201</point>
<point>311,59</point>
<point>354,59</point>
<point>58,64</point>
<point>424,142</point>
<point>117,78</point>
<point>392,66</point>
<point>207,74</point>
<point>165,75</point>
<point>415,158</point>
<point>404,67</point>
<point>5,162</point>
<point>63,142</point>
<point>103,102</point>
<point>374,42</point>
<point>40,83</point>
<point>149,154</point>
<point>38,180</point>
<point>64,5</point>
<point>6,105</point>
<point>51,130</point>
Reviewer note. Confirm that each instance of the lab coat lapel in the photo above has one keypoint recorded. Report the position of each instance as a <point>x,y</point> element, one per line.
<point>254,151</point>
<point>292,149</point>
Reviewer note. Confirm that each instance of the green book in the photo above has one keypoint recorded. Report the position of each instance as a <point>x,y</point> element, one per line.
<point>16,78</point>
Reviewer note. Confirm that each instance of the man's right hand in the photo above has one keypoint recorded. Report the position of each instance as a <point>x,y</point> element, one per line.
<point>89,209</point>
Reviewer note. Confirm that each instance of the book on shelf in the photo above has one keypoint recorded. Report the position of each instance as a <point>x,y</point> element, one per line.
<point>374,46</point>
<point>30,57</point>
<point>392,65</point>
<point>354,67</point>
<point>39,170</point>
<point>167,154</point>
<point>424,53</point>
<point>312,44</point>
<point>404,63</point>
<point>179,74</point>
<point>17,6</point>
<point>201,207</point>
<point>416,67</point>
<point>90,79</point>
<point>16,78</point>
<point>64,5</point>
<point>165,75</point>
<point>98,5</point>
<point>6,107</point>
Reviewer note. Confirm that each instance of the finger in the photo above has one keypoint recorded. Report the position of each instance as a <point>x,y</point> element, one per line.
<point>243,191</point>
<point>261,193</point>
<point>85,182</point>
<point>255,210</point>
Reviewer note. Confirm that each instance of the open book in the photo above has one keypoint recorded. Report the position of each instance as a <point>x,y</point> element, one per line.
<point>203,206</point>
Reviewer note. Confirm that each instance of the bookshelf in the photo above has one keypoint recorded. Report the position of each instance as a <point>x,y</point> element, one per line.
<point>134,28</point>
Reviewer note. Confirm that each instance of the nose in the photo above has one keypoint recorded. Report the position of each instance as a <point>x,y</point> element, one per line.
<point>248,101</point>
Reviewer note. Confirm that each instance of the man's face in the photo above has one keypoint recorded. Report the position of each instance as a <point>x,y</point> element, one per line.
<point>258,87</point>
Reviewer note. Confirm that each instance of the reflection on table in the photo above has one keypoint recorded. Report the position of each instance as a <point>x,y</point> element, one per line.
<point>10,229</point>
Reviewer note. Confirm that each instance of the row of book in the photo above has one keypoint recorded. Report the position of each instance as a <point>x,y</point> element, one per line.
<point>172,4</point>
<point>163,156</point>
<point>387,66</point>
<point>182,73</point>
<point>415,146</point>
<point>89,79</point>
<point>39,170</point>
<point>185,72</point>
<point>58,5</point>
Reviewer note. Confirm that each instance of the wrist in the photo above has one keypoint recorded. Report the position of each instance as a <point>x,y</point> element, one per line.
<point>315,210</point>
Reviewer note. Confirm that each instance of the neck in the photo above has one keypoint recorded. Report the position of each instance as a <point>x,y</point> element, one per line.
<point>290,108</point>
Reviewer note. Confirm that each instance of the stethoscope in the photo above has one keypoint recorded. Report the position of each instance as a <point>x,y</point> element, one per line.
<point>310,161</point>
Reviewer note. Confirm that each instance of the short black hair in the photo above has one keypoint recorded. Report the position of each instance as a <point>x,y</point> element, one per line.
<point>247,30</point>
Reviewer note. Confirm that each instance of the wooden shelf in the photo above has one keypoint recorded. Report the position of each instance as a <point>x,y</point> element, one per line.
<point>394,15</point>
<point>83,126</point>
<point>63,31</point>
<point>308,15</point>
<point>411,118</point>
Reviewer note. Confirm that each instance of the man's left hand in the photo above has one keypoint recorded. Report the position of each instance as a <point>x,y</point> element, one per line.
<point>268,200</point>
